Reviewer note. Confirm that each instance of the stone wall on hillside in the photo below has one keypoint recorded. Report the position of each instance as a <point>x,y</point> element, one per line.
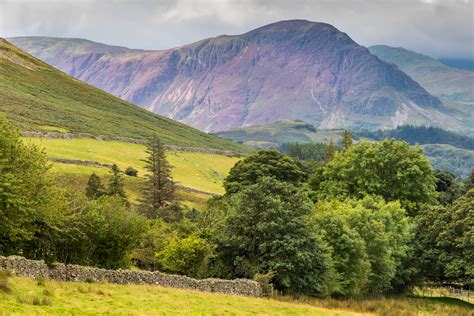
<point>21,266</point>
<point>53,135</point>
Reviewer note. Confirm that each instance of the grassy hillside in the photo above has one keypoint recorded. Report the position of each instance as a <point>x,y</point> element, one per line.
<point>199,171</point>
<point>274,134</point>
<point>38,97</point>
<point>28,297</point>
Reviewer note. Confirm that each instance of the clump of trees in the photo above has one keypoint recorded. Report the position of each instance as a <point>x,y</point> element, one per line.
<point>364,218</point>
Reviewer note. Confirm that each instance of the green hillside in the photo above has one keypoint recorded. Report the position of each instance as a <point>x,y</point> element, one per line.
<point>275,134</point>
<point>38,97</point>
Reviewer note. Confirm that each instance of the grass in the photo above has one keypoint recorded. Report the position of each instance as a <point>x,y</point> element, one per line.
<point>60,298</point>
<point>50,297</point>
<point>199,171</point>
<point>38,97</point>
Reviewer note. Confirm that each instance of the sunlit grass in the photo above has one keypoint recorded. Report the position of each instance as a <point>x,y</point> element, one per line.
<point>199,171</point>
<point>62,298</point>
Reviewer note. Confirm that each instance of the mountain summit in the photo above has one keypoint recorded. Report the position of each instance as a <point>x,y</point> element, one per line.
<point>286,70</point>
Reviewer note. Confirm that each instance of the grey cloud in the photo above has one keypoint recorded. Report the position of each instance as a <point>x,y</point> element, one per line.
<point>435,27</point>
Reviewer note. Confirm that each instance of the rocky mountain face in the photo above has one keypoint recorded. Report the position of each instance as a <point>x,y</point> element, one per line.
<point>287,70</point>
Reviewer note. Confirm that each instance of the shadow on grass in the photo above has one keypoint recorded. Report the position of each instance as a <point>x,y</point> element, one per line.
<point>445,300</point>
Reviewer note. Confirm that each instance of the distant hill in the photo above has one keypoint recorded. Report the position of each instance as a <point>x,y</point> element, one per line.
<point>37,97</point>
<point>466,64</point>
<point>296,69</point>
<point>275,134</point>
<point>439,79</point>
<point>446,157</point>
<point>422,135</point>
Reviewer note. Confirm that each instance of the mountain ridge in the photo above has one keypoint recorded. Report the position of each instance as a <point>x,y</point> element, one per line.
<point>291,69</point>
<point>38,97</point>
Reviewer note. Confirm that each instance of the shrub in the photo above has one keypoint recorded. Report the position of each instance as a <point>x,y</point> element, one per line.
<point>132,172</point>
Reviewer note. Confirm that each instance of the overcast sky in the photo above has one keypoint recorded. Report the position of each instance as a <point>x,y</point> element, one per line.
<point>440,28</point>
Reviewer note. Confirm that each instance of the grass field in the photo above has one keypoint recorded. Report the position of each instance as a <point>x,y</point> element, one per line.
<point>29,297</point>
<point>60,298</point>
<point>199,171</point>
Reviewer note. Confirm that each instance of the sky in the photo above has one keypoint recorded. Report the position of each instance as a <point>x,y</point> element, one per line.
<point>438,28</point>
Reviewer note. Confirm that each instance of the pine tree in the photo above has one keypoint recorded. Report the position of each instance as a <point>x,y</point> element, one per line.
<point>159,187</point>
<point>329,151</point>
<point>94,188</point>
<point>347,139</point>
<point>116,183</point>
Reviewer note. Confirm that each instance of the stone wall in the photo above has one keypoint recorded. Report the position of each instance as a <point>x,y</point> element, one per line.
<point>53,135</point>
<point>69,272</point>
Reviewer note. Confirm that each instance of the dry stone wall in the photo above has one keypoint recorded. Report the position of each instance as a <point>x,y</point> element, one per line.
<point>53,135</point>
<point>69,272</point>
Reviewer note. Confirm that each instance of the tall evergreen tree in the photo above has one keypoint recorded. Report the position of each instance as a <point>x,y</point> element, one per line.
<point>329,151</point>
<point>116,183</point>
<point>94,188</point>
<point>346,139</point>
<point>159,185</point>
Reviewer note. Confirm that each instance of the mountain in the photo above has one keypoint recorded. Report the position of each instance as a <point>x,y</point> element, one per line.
<point>296,70</point>
<point>275,134</point>
<point>439,79</point>
<point>38,97</point>
<point>466,64</point>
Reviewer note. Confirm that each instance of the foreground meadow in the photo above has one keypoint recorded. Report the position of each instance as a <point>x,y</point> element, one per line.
<point>29,297</point>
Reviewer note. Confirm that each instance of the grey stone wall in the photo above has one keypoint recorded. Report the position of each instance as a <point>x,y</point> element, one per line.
<point>53,135</point>
<point>68,272</point>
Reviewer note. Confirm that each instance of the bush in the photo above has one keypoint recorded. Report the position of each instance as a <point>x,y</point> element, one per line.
<point>132,172</point>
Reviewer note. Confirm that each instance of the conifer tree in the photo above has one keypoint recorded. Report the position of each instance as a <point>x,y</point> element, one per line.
<point>94,188</point>
<point>116,183</point>
<point>329,151</point>
<point>159,186</point>
<point>347,139</point>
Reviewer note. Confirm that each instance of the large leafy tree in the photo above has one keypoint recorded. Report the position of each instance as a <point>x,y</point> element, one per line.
<point>265,163</point>
<point>391,169</point>
<point>445,241</point>
<point>369,240</point>
<point>269,232</point>
<point>159,188</point>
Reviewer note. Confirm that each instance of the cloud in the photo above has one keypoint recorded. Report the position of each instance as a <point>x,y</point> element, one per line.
<point>440,28</point>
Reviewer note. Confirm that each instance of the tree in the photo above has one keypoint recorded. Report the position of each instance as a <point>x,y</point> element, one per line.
<point>269,231</point>
<point>188,256</point>
<point>159,187</point>
<point>369,241</point>
<point>94,188</point>
<point>30,205</point>
<point>265,163</point>
<point>347,139</point>
<point>470,180</point>
<point>444,241</point>
<point>391,169</point>
<point>116,183</point>
<point>449,188</point>
<point>104,233</point>
<point>329,151</point>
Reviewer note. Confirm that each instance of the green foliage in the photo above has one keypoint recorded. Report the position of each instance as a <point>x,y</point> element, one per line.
<point>422,135</point>
<point>369,239</point>
<point>329,151</point>
<point>269,231</point>
<point>306,151</point>
<point>187,256</point>
<point>116,183</point>
<point>94,188</point>
<point>265,163</point>
<point>103,232</point>
<point>445,157</point>
<point>449,187</point>
<point>389,168</point>
<point>346,139</point>
<point>444,241</point>
<point>159,187</point>
<point>30,205</point>
<point>132,172</point>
